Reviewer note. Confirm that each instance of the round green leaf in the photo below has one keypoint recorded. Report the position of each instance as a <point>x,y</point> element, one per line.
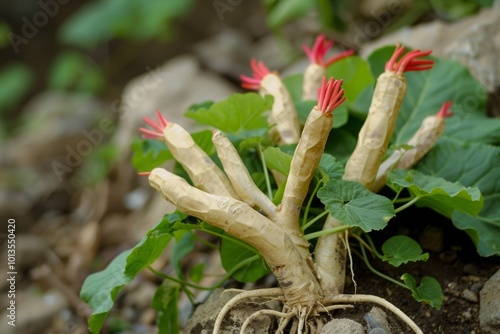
<point>354,205</point>
<point>402,249</point>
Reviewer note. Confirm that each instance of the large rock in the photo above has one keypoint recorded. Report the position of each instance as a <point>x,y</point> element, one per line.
<point>489,307</point>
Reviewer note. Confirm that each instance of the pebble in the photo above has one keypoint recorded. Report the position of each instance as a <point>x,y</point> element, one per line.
<point>469,296</point>
<point>466,315</point>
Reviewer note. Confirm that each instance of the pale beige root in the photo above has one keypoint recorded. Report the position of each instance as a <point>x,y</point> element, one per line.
<point>330,259</point>
<point>240,178</point>
<point>312,81</point>
<point>422,141</point>
<point>377,130</point>
<point>305,161</point>
<point>201,169</point>
<point>283,115</point>
<point>351,299</point>
<point>294,271</point>
<point>260,313</point>
<point>262,293</point>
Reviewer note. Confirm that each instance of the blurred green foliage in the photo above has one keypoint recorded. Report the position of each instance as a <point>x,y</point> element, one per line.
<point>100,21</point>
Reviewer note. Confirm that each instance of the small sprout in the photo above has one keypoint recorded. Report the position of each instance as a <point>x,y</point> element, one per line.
<point>319,50</point>
<point>409,61</point>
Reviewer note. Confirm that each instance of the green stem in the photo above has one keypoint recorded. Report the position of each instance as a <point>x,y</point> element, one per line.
<point>397,195</point>
<point>378,273</point>
<point>402,200</point>
<point>199,287</point>
<point>266,173</point>
<point>309,202</point>
<point>236,241</point>
<point>312,221</point>
<point>326,232</point>
<point>406,205</point>
<point>205,242</point>
<point>372,245</point>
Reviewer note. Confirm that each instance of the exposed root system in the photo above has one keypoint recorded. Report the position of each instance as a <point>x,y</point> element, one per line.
<point>306,321</point>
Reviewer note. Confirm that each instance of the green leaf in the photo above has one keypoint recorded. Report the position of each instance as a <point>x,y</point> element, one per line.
<point>435,192</point>
<point>16,80</point>
<point>340,144</point>
<point>287,10</point>
<point>356,75</point>
<point>330,167</point>
<point>196,272</point>
<point>182,246</point>
<point>293,84</point>
<point>402,249</point>
<point>354,205</point>
<point>240,114</point>
<point>473,165</point>
<point>72,69</point>
<point>165,303</point>
<point>101,289</point>
<point>429,291</point>
<point>148,154</point>
<point>99,21</point>
<point>473,128</point>
<point>278,160</point>
<point>233,253</point>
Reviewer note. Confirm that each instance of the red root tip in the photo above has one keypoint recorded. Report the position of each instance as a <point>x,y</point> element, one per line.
<point>143,173</point>
<point>259,72</point>
<point>330,95</point>
<point>445,110</point>
<point>320,48</point>
<point>409,61</point>
<point>156,126</point>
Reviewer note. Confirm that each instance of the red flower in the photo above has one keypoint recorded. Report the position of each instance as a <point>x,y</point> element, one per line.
<point>408,62</point>
<point>445,110</point>
<point>320,48</point>
<point>157,127</point>
<point>259,72</point>
<point>330,95</point>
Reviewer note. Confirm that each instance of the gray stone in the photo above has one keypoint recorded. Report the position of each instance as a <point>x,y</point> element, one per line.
<point>469,296</point>
<point>204,317</point>
<point>380,318</point>
<point>489,306</point>
<point>342,326</point>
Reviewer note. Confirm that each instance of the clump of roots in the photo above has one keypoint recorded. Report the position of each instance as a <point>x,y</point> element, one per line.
<point>304,319</point>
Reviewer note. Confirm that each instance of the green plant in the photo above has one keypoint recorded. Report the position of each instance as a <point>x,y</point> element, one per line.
<point>308,204</point>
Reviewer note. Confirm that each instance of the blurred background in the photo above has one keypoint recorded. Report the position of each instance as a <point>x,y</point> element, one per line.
<point>77,77</point>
